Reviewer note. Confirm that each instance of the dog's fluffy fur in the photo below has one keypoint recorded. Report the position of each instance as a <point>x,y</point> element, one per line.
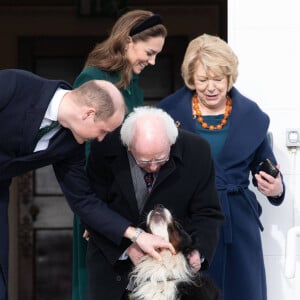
<point>171,278</point>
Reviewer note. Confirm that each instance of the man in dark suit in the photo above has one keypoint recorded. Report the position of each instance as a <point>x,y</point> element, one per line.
<point>28,103</point>
<point>183,181</point>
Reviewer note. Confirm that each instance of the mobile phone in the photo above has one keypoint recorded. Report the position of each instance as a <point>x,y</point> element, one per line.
<point>268,167</point>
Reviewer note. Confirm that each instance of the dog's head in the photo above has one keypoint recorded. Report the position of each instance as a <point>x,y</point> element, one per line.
<point>161,222</point>
<point>171,278</point>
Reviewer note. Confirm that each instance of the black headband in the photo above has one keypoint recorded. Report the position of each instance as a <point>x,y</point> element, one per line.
<point>147,23</point>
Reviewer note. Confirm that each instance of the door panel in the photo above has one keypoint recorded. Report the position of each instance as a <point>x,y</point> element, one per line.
<point>53,264</point>
<point>45,238</point>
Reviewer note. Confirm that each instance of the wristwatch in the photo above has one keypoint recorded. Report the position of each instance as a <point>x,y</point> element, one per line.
<point>138,231</point>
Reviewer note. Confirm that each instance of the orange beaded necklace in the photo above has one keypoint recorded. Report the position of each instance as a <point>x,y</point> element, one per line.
<point>197,114</point>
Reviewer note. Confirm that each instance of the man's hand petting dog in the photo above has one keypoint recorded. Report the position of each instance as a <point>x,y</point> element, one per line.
<point>152,244</point>
<point>135,253</point>
<point>194,260</point>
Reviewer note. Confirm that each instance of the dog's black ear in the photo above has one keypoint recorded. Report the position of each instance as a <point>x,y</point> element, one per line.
<point>202,288</point>
<point>186,242</point>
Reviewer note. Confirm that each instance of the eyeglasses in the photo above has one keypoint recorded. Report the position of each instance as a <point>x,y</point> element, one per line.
<point>144,163</point>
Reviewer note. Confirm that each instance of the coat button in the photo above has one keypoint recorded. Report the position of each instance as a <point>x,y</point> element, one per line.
<point>118,278</point>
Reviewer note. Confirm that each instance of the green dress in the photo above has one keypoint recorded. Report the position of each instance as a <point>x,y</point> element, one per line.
<point>134,97</point>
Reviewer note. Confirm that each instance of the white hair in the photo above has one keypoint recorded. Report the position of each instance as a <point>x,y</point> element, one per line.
<point>153,279</point>
<point>129,126</point>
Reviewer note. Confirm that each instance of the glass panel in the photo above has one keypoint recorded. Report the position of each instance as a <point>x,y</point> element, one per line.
<point>45,182</point>
<point>51,212</point>
<point>53,264</point>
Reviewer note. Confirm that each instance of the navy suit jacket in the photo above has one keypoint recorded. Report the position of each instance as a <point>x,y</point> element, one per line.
<point>24,98</point>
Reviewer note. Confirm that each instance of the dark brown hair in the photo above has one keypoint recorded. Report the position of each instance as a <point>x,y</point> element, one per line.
<point>109,55</point>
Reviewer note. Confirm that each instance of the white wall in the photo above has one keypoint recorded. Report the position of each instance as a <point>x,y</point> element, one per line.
<point>265,34</point>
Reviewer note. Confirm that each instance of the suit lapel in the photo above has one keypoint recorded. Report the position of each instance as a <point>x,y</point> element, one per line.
<point>121,170</point>
<point>54,150</point>
<point>30,128</point>
<point>164,172</point>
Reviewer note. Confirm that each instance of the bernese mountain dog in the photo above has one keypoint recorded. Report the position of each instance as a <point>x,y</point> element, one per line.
<point>171,278</point>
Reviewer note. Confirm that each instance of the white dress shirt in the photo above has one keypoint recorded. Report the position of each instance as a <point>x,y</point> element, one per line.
<point>50,116</point>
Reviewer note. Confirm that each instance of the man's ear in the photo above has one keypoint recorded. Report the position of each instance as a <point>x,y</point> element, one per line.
<point>88,112</point>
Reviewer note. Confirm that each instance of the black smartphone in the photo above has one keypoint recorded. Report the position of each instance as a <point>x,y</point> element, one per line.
<point>268,167</point>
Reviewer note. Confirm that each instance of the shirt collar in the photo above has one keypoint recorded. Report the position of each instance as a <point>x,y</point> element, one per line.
<point>52,110</point>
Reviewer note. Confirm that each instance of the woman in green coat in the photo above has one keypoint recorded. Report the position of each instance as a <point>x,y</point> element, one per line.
<point>134,42</point>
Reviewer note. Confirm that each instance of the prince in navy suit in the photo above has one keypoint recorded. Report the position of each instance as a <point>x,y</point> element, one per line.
<point>29,102</point>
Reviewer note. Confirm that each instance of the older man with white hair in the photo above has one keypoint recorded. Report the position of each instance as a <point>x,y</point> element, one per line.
<point>146,162</point>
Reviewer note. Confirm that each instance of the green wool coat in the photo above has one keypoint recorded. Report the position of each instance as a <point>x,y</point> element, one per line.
<point>134,97</point>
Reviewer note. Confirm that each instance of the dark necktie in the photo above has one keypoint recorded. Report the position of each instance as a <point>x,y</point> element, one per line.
<point>149,179</point>
<point>42,131</point>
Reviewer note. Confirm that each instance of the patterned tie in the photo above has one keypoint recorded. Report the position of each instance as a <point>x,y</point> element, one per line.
<point>42,131</point>
<point>149,179</point>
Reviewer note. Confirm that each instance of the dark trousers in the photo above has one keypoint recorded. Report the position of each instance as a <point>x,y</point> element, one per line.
<point>104,280</point>
<point>4,196</point>
<point>3,286</point>
<point>125,296</point>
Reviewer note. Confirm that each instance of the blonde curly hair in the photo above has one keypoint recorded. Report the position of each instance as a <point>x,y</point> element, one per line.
<point>214,54</point>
